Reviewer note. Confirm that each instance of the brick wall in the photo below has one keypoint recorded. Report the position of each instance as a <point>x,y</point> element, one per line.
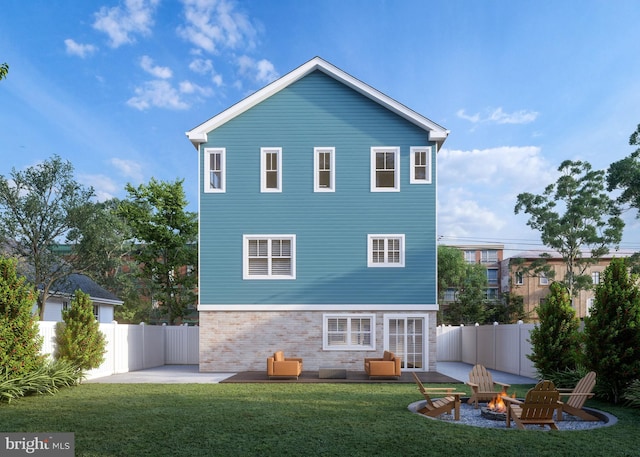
<point>233,341</point>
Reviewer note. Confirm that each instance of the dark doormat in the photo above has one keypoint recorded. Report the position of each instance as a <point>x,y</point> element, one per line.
<point>352,376</point>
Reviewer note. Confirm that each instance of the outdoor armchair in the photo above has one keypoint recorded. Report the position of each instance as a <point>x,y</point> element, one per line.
<point>387,366</point>
<point>279,366</point>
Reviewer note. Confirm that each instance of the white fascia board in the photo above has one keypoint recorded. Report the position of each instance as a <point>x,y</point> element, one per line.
<point>341,308</point>
<point>198,135</point>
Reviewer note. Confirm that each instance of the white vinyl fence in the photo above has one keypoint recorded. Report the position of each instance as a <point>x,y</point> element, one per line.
<point>136,347</point>
<point>499,347</point>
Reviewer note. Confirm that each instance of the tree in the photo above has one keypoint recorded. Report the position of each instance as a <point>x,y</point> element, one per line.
<point>20,342</point>
<point>624,175</point>
<point>612,331</point>
<point>38,209</point>
<point>4,70</point>
<point>451,268</point>
<point>555,340</point>
<point>585,225</point>
<point>167,233</point>
<point>469,306</point>
<point>79,339</point>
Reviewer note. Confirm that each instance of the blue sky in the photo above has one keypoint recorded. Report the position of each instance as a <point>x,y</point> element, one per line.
<point>112,86</point>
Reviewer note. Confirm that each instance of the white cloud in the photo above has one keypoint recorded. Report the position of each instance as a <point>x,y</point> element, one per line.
<point>498,116</point>
<point>187,87</point>
<point>261,71</point>
<point>157,93</point>
<point>128,168</point>
<point>105,188</point>
<point>214,24</point>
<point>204,67</point>
<point>146,63</point>
<point>122,23</point>
<point>78,49</point>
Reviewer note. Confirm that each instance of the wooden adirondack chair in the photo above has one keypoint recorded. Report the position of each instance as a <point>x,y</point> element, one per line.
<point>537,408</point>
<point>483,385</point>
<point>576,397</point>
<point>435,407</point>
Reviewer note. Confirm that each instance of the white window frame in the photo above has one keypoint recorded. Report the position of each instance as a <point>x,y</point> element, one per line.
<point>316,169</point>
<point>519,278</point>
<point>544,281</point>
<point>386,238</point>
<point>490,280</point>
<point>264,152</point>
<point>396,176</point>
<point>415,150</point>
<point>348,333</point>
<point>269,239</point>
<point>207,170</point>
<point>595,278</point>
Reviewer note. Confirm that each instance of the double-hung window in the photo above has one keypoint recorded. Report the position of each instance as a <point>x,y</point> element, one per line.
<point>385,169</point>
<point>324,174</point>
<point>344,332</point>
<point>385,250</point>
<point>215,179</point>
<point>270,169</point>
<point>420,165</point>
<point>269,257</point>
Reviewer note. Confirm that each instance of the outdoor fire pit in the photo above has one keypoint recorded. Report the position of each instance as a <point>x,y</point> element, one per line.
<point>496,410</point>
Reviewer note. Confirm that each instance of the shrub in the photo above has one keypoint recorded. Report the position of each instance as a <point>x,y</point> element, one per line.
<point>556,340</point>
<point>20,342</point>
<point>48,378</point>
<point>612,332</point>
<point>79,339</point>
<point>632,394</point>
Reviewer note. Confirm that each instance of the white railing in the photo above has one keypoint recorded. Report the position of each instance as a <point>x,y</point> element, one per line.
<point>136,347</point>
<point>498,347</point>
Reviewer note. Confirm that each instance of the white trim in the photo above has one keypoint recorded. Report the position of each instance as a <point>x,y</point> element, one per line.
<point>318,307</point>
<point>316,169</point>
<point>425,336</point>
<point>412,165</point>
<point>348,347</point>
<point>396,170</point>
<point>263,169</point>
<point>198,135</point>
<point>207,170</point>
<point>269,275</point>
<point>386,263</point>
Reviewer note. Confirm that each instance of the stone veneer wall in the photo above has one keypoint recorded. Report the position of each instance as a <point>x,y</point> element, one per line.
<point>232,341</point>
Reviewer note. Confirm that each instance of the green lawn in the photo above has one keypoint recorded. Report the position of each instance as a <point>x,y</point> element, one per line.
<point>288,420</point>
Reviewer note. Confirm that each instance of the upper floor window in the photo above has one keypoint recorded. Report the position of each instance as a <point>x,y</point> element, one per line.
<point>492,276</point>
<point>385,169</point>
<point>269,256</point>
<point>96,312</point>
<point>420,165</point>
<point>489,256</point>
<point>519,278</point>
<point>595,277</point>
<point>543,279</point>
<point>214,170</point>
<point>386,250</point>
<point>470,256</point>
<point>270,169</point>
<point>324,175</point>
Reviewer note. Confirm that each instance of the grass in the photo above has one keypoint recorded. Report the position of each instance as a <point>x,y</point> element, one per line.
<point>288,420</point>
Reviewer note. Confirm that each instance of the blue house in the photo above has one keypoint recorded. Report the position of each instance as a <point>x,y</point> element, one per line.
<point>317,209</point>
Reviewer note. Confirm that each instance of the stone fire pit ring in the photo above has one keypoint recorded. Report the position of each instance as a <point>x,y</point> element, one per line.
<point>470,416</point>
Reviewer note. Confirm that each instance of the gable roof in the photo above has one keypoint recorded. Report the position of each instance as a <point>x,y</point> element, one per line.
<point>198,135</point>
<point>96,292</point>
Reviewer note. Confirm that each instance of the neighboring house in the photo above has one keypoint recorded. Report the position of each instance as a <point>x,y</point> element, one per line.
<point>489,256</point>
<point>62,294</point>
<point>534,289</point>
<point>317,207</point>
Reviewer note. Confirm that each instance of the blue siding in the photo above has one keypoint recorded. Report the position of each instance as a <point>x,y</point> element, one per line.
<point>331,228</point>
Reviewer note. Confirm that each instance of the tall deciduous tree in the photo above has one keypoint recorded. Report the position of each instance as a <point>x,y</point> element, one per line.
<point>624,175</point>
<point>167,234</point>
<point>451,268</point>
<point>612,331</point>
<point>38,208</point>
<point>4,70</point>
<point>575,217</point>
